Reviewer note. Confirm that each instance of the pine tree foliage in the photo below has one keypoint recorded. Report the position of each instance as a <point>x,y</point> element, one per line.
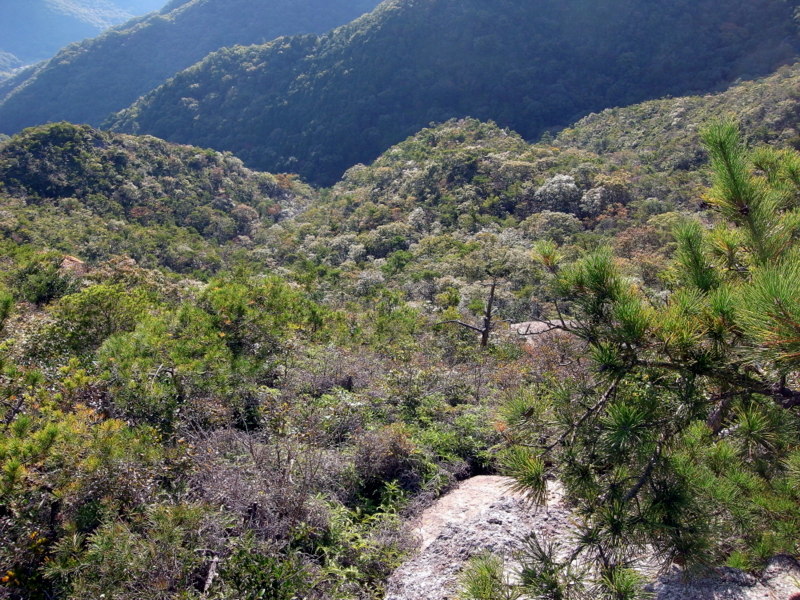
<point>687,443</point>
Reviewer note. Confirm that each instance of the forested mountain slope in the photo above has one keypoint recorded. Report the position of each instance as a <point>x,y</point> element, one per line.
<point>33,30</point>
<point>233,397</point>
<point>464,170</point>
<point>99,195</point>
<point>664,134</point>
<point>318,105</point>
<point>222,383</point>
<point>86,82</point>
<point>421,216</point>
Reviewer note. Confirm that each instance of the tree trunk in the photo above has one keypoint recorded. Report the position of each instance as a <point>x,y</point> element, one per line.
<point>487,317</point>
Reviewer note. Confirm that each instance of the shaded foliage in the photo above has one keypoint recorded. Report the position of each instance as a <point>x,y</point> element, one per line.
<point>87,81</point>
<point>528,66</point>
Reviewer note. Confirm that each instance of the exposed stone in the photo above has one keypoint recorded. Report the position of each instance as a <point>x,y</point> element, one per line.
<point>481,515</point>
<point>73,265</point>
<point>484,515</point>
<point>780,581</point>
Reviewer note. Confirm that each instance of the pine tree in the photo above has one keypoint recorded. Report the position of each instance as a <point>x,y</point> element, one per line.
<point>686,445</point>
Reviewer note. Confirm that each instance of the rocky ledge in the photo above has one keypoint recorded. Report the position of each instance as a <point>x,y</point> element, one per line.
<point>484,515</point>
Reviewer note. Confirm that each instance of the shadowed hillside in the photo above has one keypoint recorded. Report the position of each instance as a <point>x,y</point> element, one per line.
<point>86,82</point>
<point>35,29</point>
<point>317,105</point>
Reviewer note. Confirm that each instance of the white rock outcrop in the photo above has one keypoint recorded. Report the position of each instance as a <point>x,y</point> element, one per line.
<point>484,515</point>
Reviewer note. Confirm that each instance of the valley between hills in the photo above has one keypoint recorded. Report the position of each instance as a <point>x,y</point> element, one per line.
<point>419,300</point>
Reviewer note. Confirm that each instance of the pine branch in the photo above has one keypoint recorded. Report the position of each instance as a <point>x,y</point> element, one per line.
<point>785,397</point>
<point>648,471</point>
<point>570,431</point>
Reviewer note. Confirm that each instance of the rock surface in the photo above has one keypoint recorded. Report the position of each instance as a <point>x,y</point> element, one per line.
<point>481,515</point>
<point>780,581</point>
<point>484,515</point>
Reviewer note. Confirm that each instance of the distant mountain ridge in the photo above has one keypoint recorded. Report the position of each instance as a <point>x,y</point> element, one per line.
<point>8,62</point>
<point>316,105</point>
<point>665,134</point>
<point>33,30</point>
<point>86,82</point>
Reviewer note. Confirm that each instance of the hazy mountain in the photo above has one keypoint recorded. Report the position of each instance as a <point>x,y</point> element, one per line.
<point>88,81</point>
<point>8,62</point>
<point>33,30</point>
<point>316,105</point>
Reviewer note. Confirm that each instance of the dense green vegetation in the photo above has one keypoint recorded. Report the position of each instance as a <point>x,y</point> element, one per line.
<point>316,106</point>
<point>664,135</point>
<point>218,425</point>
<point>680,440</point>
<point>226,384</point>
<point>34,30</point>
<point>159,204</point>
<point>86,82</point>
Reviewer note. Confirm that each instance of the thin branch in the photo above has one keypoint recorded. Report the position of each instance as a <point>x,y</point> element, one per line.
<point>560,315</point>
<point>13,410</point>
<point>597,406</point>
<point>212,573</point>
<point>457,322</point>
<point>549,327</point>
<point>634,491</point>
<point>783,396</point>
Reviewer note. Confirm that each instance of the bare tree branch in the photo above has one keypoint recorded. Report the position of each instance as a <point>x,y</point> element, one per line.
<point>456,322</point>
